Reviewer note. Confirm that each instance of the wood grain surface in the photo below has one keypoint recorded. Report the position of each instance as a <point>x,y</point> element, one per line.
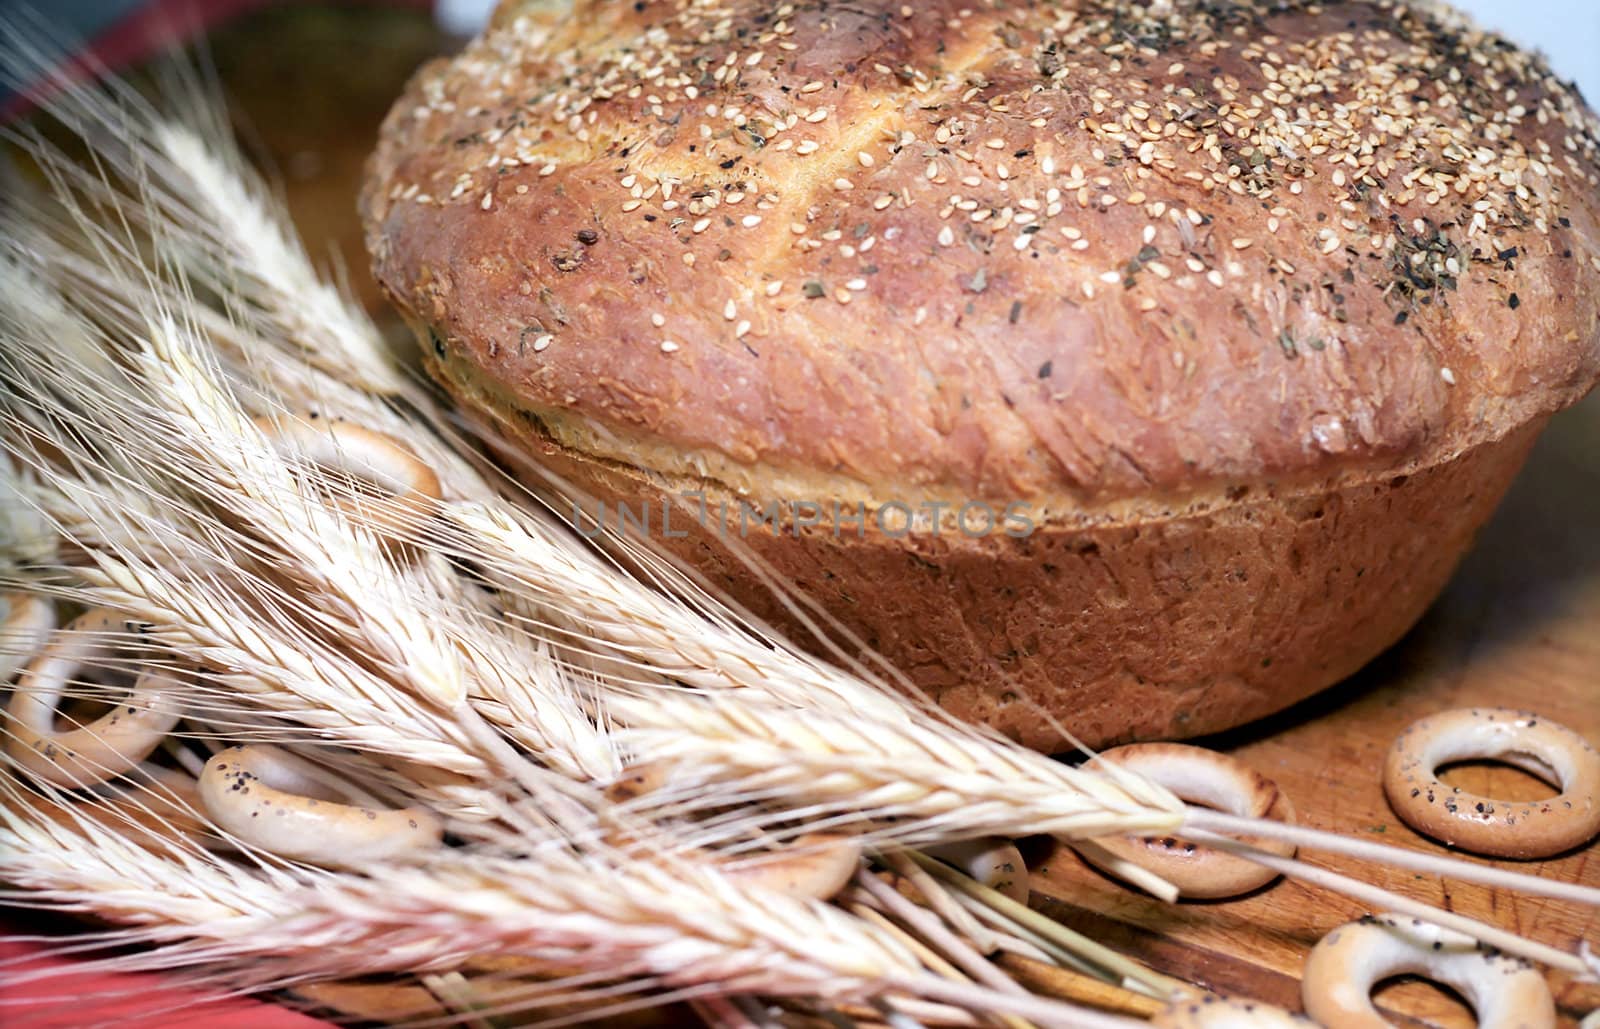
<point>1518,626</point>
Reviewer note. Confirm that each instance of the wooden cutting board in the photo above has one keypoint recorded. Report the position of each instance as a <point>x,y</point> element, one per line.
<point>1520,624</point>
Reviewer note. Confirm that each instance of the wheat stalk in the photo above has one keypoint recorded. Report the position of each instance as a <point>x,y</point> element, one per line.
<point>384,611</point>
<point>920,782</point>
<point>131,585</point>
<point>668,924</point>
<point>226,619</point>
<point>73,855</point>
<point>750,686</point>
<point>397,619</point>
<point>212,611</point>
<point>596,915</point>
<point>674,922</point>
<point>319,687</point>
<point>253,480</point>
<point>768,945</point>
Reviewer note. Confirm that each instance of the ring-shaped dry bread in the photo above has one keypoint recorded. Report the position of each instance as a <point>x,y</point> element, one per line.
<point>1336,983</point>
<point>112,744</point>
<point>409,490</point>
<point>815,865</point>
<point>991,860</point>
<point>1485,825</point>
<point>26,621</point>
<point>278,802</point>
<point>1199,776</point>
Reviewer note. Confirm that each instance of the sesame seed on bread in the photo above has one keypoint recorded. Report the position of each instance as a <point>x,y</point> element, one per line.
<point>1096,249</point>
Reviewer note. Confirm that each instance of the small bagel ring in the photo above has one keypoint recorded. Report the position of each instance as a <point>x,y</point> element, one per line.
<point>815,865</point>
<point>413,488</point>
<point>1341,970</point>
<point>112,745</point>
<point>1483,825</point>
<point>992,860</point>
<point>1199,776</point>
<point>26,621</point>
<point>275,801</point>
<point>1213,1012</point>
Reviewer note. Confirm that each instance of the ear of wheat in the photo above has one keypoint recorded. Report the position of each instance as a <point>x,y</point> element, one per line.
<point>157,319</point>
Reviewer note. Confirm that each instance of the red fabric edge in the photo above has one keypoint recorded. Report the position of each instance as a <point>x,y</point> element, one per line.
<point>41,990</point>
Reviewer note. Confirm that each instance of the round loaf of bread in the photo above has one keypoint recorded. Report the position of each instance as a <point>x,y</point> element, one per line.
<point>1150,363</point>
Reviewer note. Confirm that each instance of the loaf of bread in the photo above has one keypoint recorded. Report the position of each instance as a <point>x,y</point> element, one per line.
<point>1146,364</point>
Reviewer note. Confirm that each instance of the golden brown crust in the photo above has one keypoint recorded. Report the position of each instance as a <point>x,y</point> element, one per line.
<point>1135,629</point>
<point>1095,249</point>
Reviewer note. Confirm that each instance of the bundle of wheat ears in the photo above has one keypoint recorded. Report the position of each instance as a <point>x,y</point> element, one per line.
<point>553,778</point>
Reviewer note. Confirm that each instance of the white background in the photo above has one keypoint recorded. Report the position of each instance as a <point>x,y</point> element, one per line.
<point>1568,31</point>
